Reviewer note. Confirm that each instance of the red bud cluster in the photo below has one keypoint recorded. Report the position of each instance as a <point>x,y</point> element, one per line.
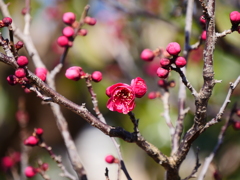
<point>173,49</point>
<point>68,32</point>
<point>13,80</point>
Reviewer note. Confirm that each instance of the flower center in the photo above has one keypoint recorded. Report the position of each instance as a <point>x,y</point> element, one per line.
<point>123,95</point>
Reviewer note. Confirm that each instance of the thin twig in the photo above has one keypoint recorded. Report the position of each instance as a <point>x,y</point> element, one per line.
<point>224,33</point>
<point>27,18</point>
<point>193,174</point>
<point>224,105</point>
<point>134,121</point>
<point>58,160</point>
<point>166,114</point>
<point>197,44</point>
<point>209,159</point>
<point>11,34</point>
<point>81,21</point>
<point>94,98</point>
<point>23,121</point>
<point>186,82</point>
<point>106,174</point>
<point>42,172</point>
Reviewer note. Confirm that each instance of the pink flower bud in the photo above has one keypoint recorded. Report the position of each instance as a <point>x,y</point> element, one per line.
<point>238,112</point>
<point>139,87</point>
<point>24,11</point>
<point>162,83</point>
<point>44,166</point>
<point>68,31</point>
<point>41,73</point>
<point>22,116</point>
<point>82,32</point>
<point>96,76</point>
<point>110,159</point>
<point>152,95</point>
<point>7,21</point>
<point>39,131</point>
<point>204,35</point>
<point>165,62</point>
<point>236,125</point>
<point>63,41</point>
<point>171,84</point>
<point>74,73</point>
<point>19,45</point>
<point>235,17</point>
<point>173,48</point>
<point>7,162</point>
<point>31,141</point>
<point>202,20</point>
<point>147,55</point>
<point>20,73</point>
<point>69,18</point>
<point>90,21</point>
<point>162,73</point>
<point>26,90</point>
<point>30,171</point>
<point>12,80</point>
<point>22,61</point>
<point>180,62</point>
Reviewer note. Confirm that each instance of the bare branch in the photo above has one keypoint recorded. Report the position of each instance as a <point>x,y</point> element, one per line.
<point>224,33</point>
<point>201,100</point>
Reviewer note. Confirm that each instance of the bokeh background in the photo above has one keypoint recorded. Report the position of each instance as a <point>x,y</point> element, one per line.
<point>113,46</point>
